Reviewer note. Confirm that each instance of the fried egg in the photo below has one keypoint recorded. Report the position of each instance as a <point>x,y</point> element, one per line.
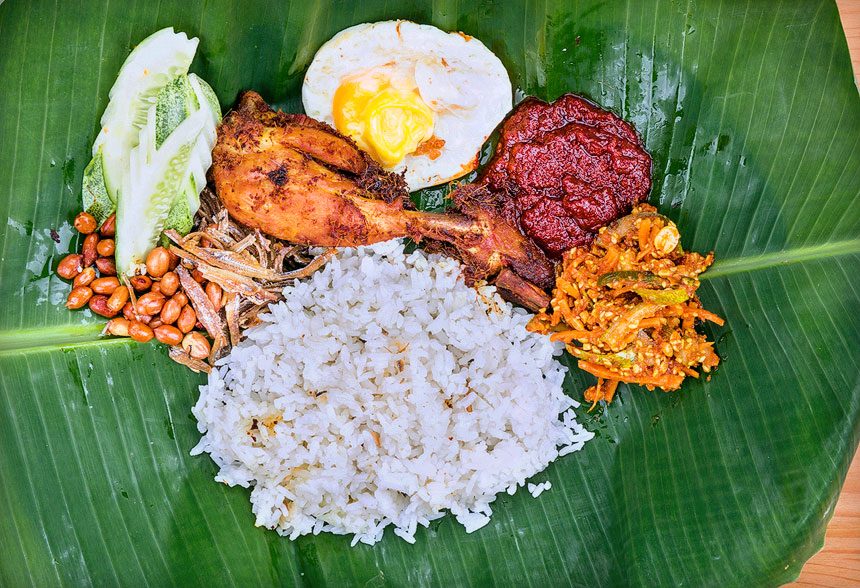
<point>417,99</point>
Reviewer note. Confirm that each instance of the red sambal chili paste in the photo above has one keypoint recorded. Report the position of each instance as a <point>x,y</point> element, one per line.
<point>564,169</point>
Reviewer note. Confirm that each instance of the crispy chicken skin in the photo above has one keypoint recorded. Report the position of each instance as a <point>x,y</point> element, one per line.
<point>298,179</point>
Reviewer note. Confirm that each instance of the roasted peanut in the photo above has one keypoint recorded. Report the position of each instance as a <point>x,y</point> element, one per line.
<point>98,304</point>
<point>150,303</point>
<point>169,283</point>
<point>170,311</point>
<point>666,240</point>
<point>174,260</point>
<point>118,326</point>
<point>157,262</point>
<point>139,332</point>
<point>85,223</point>
<point>78,297</point>
<point>181,298</point>
<point>85,277</point>
<point>198,276</point>
<point>155,322</point>
<point>106,266</point>
<point>196,345</point>
<point>88,250</point>
<point>105,286</point>
<point>187,319</point>
<point>140,283</point>
<point>168,335</point>
<point>155,288</point>
<point>128,311</point>
<point>106,247</point>
<point>108,228</point>
<point>213,291</point>
<point>118,299</point>
<point>70,266</point>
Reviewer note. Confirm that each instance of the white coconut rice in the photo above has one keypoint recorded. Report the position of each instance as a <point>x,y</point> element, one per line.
<point>384,391</point>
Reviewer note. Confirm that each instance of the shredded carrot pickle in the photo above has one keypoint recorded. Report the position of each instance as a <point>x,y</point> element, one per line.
<point>626,306</point>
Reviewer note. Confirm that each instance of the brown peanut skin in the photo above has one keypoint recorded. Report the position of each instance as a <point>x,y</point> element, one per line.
<point>108,228</point>
<point>174,260</point>
<point>106,266</point>
<point>187,319</point>
<point>213,292</point>
<point>168,335</point>
<point>128,311</point>
<point>170,311</point>
<point>78,297</point>
<point>169,283</point>
<point>85,277</point>
<point>118,326</point>
<point>140,332</point>
<point>140,283</point>
<point>196,345</point>
<point>181,298</point>
<point>105,285</point>
<point>98,304</point>
<point>106,247</point>
<point>150,303</point>
<point>70,266</point>
<point>157,262</point>
<point>118,299</point>
<point>88,250</point>
<point>85,223</point>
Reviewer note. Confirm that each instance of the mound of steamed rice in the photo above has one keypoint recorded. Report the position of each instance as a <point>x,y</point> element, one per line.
<point>384,391</point>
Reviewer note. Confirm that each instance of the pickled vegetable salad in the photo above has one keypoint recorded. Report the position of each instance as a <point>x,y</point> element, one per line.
<point>154,147</point>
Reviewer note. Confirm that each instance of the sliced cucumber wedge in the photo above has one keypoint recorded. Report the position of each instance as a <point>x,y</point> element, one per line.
<point>151,65</point>
<point>177,100</point>
<point>156,176</point>
<point>97,200</point>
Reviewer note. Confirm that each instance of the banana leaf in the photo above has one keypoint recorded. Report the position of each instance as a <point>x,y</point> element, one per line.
<point>752,115</point>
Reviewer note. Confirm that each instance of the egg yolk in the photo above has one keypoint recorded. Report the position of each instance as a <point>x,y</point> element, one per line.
<point>387,120</point>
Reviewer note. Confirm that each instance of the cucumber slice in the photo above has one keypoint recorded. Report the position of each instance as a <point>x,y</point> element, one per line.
<point>156,176</point>
<point>97,200</point>
<point>152,64</point>
<point>177,100</point>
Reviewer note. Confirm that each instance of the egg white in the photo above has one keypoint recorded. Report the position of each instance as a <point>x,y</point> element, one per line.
<point>462,81</point>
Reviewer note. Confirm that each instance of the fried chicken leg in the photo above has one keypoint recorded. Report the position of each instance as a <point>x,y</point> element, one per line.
<point>298,179</point>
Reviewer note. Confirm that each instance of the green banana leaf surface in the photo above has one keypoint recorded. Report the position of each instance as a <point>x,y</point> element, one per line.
<point>752,115</point>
